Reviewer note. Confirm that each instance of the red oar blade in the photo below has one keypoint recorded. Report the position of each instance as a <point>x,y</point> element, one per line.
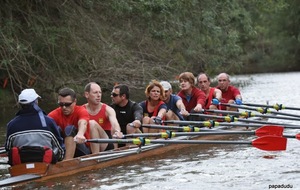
<point>270,143</point>
<point>298,136</point>
<point>275,130</point>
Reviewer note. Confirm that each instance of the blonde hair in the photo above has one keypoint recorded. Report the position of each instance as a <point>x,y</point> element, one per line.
<point>151,85</point>
<point>188,76</point>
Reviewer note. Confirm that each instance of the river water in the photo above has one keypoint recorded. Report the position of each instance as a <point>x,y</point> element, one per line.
<point>209,166</point>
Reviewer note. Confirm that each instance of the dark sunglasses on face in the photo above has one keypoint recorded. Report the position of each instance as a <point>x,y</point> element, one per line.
<point>66,104</point>
<point>114,94</point>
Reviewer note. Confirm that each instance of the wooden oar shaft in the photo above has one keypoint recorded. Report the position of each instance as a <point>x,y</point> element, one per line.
<point>275,106</point>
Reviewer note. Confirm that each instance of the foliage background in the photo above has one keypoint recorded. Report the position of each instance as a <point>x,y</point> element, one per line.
<point>50,44</point>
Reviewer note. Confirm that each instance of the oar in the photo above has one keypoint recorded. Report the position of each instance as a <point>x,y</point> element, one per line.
<point>269,143</point>
<point>18,179</point>
<point>234,119</point>
<point>275,106</point>
<point>213,123</point>
<point>248,114</point>
<point>177,128</point>
<point>260,110</point>
<point>297,136</point>
<point>262,131</point>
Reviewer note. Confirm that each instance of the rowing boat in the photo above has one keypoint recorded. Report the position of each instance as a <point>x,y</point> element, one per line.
<point>41,171</point>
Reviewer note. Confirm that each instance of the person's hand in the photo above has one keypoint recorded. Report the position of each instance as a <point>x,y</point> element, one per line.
<point>184,112</point>
<point>238,102</point>
<point>215,101</point>
<point>157,120</point>
<point>118,135</point>
<point>198,108</point>
<point>80,139</point>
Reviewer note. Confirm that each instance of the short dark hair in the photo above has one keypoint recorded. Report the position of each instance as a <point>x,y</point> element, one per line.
<point>67,92</point>
<point>123,89</point>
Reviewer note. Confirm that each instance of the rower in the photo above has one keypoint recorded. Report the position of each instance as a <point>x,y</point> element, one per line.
<point>175,107</point>
<point>230,94</point>
<point>213,95</point>
<point>129,113</point>
<point>102,117</point>
<point>154,109</point>
<point>192,97</point>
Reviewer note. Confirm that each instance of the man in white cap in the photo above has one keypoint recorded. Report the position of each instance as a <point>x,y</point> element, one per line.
<point>32,132</point>
<point>176,109</point>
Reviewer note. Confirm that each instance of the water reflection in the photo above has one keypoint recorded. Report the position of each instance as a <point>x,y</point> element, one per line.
<point>209,166</point>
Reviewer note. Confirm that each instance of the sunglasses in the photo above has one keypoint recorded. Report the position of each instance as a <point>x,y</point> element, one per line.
<point>114,94</point>
<point>65,104</point>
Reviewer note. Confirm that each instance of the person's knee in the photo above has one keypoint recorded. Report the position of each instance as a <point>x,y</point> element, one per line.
<point>93,124</point>
<point>70,131</point>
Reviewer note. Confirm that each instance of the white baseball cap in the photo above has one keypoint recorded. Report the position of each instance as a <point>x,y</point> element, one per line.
<point>166,85</point>
<point>27,96</point>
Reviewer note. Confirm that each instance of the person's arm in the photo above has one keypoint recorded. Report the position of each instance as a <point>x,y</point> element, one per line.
<point>111,114</point>
<point>181,107</point>
<point>200,101</point>
<point>218,94</point>
<point>138,115</point>
<point>237,96</point>
<point>162,110</point>
<point>82,126</point>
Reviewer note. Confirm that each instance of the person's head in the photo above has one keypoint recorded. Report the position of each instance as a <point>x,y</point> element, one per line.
<point>120,94</point>
<point>67,100</point>
<point>167,88</point>
<point>223,81</point>
<point>186,80</point>
<point>154,91</point>
<point>28,97</point>
<point>203,81</point>
<point>93,93</point>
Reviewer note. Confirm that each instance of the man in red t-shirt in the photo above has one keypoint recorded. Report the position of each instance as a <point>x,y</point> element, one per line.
<point>73,121</point>
<point>230,94</point>
<point>213,95</point>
